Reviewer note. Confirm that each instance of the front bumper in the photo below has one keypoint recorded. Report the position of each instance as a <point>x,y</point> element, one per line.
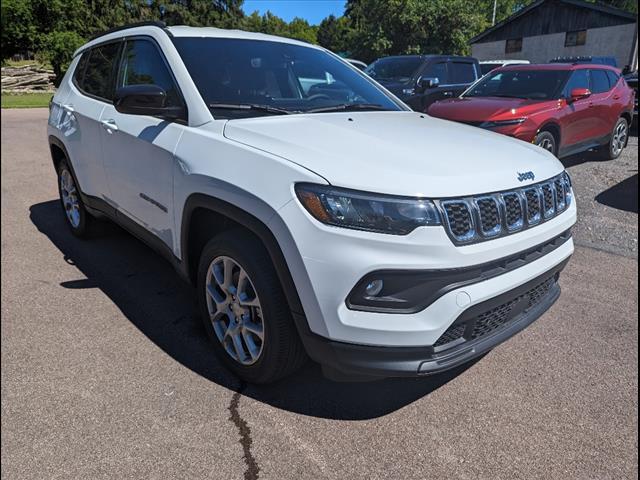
<point>475,332</point>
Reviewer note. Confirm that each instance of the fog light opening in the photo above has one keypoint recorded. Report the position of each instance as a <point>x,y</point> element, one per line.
<point>374,288</point>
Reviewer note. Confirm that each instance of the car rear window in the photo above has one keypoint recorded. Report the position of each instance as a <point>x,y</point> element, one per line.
<point>99,77</point>
<point>462,72</point>
<point>599,81</point>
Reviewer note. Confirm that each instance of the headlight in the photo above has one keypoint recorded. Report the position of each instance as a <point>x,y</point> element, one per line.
<point>366,211</point>
<point>568,186</point>
<point>502,123</point>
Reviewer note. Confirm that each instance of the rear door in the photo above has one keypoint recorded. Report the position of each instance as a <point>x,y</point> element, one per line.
<point>602,103</point>
<point>91,92</point>
<point>138,149</point>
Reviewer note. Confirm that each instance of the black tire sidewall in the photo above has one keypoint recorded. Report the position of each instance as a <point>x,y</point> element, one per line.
<point>245,251</point>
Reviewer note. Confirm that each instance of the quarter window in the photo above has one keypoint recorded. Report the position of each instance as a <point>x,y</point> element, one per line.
<point>100,71</point>
<point>142,64</point>
<point>576,38</point>
<point>599,81</point>
<point>513,45</point>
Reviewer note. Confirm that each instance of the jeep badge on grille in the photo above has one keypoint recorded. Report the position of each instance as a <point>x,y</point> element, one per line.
<point>525,176</point>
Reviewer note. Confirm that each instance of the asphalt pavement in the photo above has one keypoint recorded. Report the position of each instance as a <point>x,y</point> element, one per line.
<point>106,371</point>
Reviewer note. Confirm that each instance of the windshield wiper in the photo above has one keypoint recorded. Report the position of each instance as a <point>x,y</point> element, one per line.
<point>252,106</point>
<point>344,107</point>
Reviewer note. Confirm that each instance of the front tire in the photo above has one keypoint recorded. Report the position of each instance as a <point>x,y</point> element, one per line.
<point>77,218</point>
<point>547,141</point>
<point>244,309</point>
<point>619,138</point>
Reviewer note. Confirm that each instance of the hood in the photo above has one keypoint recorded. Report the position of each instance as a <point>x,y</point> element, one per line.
<point>402,153</point>
<point>480,109</point>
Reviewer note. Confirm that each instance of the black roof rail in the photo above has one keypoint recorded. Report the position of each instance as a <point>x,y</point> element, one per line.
<point>158,24</point>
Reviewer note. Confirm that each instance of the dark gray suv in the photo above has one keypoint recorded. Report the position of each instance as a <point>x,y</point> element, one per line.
<point>420,80</point>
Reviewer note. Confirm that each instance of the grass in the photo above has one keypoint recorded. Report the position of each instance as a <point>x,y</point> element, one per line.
<point>22,63</point>
<point>26,100</point>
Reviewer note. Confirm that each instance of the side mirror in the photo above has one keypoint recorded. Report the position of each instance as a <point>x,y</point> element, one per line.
<point>145,100</point>
<point>579,93</point>
<point>425,83</point>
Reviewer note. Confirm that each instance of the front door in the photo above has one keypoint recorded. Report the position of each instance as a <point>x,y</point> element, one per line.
<point>580,122</point>
<point>138,149</point>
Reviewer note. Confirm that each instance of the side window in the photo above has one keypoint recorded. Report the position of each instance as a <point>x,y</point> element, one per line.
<point>462,72</point>
<point>100,71</point>
<point>143,64</point>
<point>439,71</point>
<point>78,75</point>
<point>613,78</point>
<point>578,79</point>
<point>599,81</point>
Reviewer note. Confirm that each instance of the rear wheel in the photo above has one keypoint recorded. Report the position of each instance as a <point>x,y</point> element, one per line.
<point>245,311</point>
<point>547,140</point>
<point>619,138</point>
<point>77,218</point>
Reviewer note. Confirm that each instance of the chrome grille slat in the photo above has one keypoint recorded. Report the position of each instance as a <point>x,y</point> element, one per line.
<point>484,217</point>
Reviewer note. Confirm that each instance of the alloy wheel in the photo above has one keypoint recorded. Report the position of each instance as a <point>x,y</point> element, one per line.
<point>70,199</point>
<point>547,144</point>
<point>234,310</point>
<point>619,139</point>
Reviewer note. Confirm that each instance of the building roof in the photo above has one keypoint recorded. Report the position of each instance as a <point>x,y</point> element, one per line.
<point>627,17</point>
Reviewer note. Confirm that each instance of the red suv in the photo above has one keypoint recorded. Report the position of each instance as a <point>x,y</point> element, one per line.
<point>563,108</point>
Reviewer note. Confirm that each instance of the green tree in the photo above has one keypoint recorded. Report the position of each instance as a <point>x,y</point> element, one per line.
<point>300,29</point>
<point>58,48</point>
<point>413,26</point>
<point>335,34</point>
<point>19,30</point>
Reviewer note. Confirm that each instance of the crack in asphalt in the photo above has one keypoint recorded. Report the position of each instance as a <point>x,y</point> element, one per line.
<point>252,472</point>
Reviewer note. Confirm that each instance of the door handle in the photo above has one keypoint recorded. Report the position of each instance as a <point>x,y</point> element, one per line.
<point>447,94</point>
<point>616,97</point>
<point>109,125</point>
<point>590,104</point>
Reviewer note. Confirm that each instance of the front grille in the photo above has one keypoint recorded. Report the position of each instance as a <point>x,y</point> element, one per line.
<point>475,219</point>
<point>497,317</point>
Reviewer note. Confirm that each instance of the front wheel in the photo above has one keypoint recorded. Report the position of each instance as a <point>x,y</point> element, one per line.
<point>619,138</point>
<point>547,141</point>
<point>245,311</point>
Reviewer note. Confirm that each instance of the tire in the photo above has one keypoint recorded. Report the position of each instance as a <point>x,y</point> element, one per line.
<point>618,141</point>
<point>235,312</point>
<point>77,218</point>
<point>546,140</point>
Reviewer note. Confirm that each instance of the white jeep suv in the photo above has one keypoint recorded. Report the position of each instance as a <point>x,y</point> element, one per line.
<point>314,212</point>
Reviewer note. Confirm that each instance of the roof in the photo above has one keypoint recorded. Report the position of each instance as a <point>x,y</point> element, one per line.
<point>605,9</point>
<point>558,66</point>
<point>185,31</point>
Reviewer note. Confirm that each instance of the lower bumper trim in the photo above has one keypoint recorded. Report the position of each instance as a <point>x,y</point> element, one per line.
<point>376,361</point>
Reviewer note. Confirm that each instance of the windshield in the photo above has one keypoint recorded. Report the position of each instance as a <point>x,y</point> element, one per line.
<point>526,84</point>
<point>240,78</point>
<point>394,68</point>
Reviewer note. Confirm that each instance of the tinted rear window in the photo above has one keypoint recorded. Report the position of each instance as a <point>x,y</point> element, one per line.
<point>462,72</point>
<point>99,77</point>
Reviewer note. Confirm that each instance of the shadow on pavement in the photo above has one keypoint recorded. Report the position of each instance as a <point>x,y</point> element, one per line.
<point>151,295</point>
<point>623,196</point>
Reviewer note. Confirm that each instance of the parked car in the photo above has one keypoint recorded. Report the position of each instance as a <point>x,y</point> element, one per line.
<point>357,63</point>
<point>327,220</point>
<point>420,80</point>
<point>487,66</point>
<point>632,80</point>
<point>563,108</point>
<point>611,61</point>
